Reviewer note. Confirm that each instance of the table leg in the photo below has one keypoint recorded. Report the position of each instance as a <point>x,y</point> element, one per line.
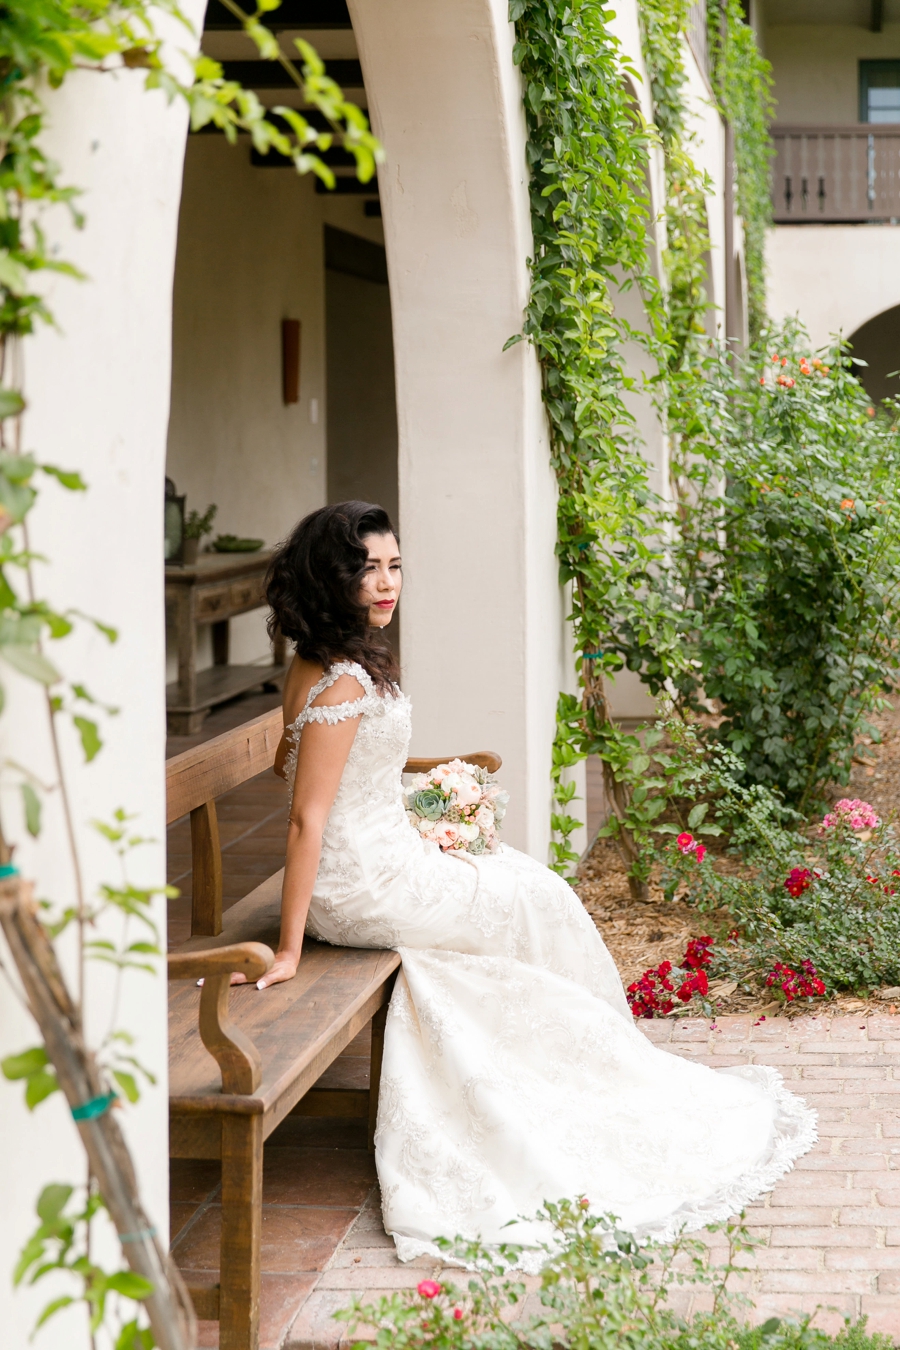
<point>239,1265</point>
<point>187,648</point>
<point>220,642</point>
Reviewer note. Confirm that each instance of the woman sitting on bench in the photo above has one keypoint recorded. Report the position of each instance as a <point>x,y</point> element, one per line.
<point>513,1072</point>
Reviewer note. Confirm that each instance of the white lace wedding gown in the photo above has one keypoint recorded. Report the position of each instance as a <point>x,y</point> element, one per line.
<point>513,1071</point>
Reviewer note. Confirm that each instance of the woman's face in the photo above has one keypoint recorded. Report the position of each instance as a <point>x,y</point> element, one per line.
<point>383,578</point>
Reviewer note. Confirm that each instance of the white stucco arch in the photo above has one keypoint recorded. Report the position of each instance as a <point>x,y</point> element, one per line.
<point>485,649</point>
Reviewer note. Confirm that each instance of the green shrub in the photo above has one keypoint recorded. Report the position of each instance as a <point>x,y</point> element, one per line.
<point>600,1290</point>
<point>783,564</point>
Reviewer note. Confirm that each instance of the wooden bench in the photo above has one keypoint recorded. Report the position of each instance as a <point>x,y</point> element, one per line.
<point>241,1061</point>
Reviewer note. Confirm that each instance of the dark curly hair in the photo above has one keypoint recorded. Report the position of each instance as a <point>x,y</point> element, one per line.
<point>313,586</point>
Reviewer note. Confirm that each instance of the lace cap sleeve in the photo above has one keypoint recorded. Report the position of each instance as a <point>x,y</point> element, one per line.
<point>333,713</point>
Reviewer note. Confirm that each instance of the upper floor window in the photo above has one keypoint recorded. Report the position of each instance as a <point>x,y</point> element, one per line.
<point>879,91</point>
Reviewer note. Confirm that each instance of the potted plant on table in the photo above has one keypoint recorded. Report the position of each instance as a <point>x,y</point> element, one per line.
<point>195,527</point>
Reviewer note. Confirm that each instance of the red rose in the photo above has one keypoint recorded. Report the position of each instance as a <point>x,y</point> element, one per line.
<point>429,1288</point>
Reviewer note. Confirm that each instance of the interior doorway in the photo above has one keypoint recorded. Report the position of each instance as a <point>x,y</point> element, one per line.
<point>361,400</point>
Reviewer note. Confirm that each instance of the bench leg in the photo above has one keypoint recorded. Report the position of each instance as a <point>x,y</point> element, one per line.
<point>242,1160</point>
<point>378,1022</point>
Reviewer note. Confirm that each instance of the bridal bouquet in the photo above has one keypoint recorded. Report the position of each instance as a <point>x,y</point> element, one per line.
<point>458,806</point>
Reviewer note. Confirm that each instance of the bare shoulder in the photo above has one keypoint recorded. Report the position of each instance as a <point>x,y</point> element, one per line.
<point>300,678</point>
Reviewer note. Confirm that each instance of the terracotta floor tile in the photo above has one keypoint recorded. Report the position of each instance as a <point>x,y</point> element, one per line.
<point>281,1298</point>
<point>310,1176</point>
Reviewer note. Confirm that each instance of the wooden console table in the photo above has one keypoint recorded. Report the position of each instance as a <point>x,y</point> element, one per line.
<point>211,591</point>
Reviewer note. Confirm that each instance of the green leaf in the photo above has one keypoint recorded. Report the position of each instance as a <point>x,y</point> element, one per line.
<point>511,342</point>
<point>133,1337</point>
<point>13,275</point>
<point>29,662</point>
<point>697,815</point>
<point>32,804</point>
<point>25,1064</point>
<point>52,1201</point>
<point>91,743</point>
<point>128,1085</point>
<point>130,1285</point>
<point>69,479</point>
<point>55,1306</point>
<point>40,1086</point>
<point>11,403</point>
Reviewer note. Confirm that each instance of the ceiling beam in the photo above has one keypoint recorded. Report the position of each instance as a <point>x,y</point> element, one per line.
<point>290,14</point>
<point>876,19</point>
<point>270,74</point>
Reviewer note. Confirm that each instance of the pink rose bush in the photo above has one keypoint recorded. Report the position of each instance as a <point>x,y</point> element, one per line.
<point>852,812</point>
<point>817,907</point>
<point>457,806</point>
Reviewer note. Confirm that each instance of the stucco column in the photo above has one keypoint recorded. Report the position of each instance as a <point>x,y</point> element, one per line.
<point>484,647</point>
<point>97,387</point>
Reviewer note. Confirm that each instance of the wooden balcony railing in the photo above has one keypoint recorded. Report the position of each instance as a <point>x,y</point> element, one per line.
<point>828,175</point>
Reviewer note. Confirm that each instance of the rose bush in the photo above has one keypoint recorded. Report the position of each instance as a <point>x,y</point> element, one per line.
<point>599,1290</point>
<point>819,902</point>
<point>776,606</point>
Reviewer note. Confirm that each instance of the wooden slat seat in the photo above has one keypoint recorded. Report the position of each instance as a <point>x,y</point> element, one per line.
<point>241,1061</point>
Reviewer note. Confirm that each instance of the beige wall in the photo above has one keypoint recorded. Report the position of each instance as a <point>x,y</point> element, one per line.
<point>250,252</point>
<point>816,67</point>
<point>835,277</point>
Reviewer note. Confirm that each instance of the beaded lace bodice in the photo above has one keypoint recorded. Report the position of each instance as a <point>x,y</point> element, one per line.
<point>379,749</point>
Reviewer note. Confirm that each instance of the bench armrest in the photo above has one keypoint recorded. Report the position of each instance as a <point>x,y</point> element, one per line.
<point>252,959</point>
<point>485,759</point>
<point>231,1048</point>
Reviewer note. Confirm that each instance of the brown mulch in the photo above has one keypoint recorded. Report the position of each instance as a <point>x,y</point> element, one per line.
<point>641,934</point>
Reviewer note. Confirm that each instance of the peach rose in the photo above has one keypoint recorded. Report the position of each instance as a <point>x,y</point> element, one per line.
<point>445,833</point>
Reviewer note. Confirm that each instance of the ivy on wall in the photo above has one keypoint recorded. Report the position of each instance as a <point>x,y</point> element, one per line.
<point>588,153</point>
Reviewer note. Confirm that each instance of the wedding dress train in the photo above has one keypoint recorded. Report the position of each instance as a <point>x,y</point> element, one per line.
<point>513,1072</point>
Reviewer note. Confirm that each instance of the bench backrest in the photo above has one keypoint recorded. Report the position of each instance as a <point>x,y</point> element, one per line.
<point>210,770</point>
<point>196,777</point>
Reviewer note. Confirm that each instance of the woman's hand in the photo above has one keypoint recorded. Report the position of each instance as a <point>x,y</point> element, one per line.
<point>283,968</point>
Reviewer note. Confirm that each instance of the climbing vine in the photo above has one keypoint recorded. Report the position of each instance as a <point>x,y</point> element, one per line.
<point>41,43</point>
<point>589,151</point>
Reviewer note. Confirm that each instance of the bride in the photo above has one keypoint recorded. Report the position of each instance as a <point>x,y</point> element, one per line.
<point>513,1071</point>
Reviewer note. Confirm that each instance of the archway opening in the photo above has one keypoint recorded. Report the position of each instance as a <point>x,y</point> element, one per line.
<point>282,362</point>
<point>878,344</point>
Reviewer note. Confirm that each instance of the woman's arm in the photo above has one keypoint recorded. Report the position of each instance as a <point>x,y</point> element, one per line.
<point>321,757</point>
